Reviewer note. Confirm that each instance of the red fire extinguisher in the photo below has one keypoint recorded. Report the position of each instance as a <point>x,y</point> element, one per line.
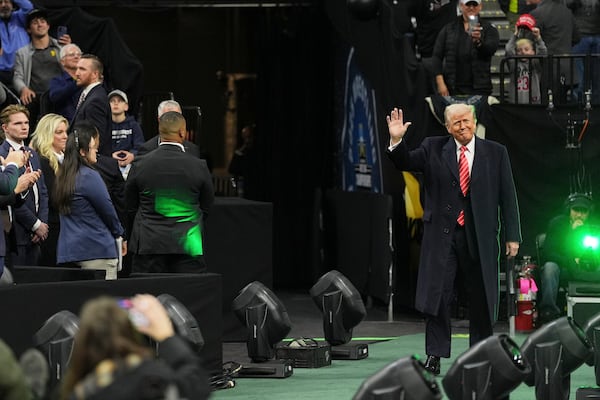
<point>526,315</point>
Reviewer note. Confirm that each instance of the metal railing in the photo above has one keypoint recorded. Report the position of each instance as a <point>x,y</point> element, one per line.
<point>560,81</point>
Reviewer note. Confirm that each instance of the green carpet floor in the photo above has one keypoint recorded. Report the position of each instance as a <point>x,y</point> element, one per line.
<point>342,379</point>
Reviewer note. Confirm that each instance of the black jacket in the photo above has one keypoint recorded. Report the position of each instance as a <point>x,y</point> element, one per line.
<point>176,369</point>
<point>446,62</point>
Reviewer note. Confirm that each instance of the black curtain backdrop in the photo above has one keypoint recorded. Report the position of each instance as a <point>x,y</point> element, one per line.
<point>543,168</point>
<point>295,137</point>
<point>101,37</point>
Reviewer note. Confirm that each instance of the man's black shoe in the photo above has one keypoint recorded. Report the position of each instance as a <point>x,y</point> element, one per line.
<point>433,365</point>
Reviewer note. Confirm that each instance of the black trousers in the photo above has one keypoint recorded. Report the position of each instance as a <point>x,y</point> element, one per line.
<point>462,268</point>
<point>168,263</point>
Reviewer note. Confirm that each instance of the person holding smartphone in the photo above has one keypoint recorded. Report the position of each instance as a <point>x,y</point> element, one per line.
<point>463,52</point>
<point>127,135</point>
<point>111,359</point>
<point>37,62</point>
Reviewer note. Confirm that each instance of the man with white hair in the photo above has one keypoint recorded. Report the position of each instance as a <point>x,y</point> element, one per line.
<point>152,144</point>
<point>468,189</point>
<point>63,92</point>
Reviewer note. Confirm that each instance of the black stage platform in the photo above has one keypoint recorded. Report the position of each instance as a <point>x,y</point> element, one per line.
<point>239,246</point>
<point>238,249</point>
<point>25,307</point>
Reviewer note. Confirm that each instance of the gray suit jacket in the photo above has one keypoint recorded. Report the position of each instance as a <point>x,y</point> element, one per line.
<point>22,76</point>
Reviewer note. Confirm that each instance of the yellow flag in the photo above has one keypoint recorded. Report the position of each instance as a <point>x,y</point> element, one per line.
<point>412,197</point>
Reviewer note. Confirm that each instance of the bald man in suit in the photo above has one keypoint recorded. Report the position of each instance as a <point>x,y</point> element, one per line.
<point>168,194</point>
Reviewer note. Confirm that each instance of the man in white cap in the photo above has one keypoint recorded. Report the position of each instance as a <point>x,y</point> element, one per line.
<point>463,53</point>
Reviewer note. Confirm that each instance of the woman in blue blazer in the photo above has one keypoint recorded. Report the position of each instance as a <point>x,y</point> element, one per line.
<point>89,225</point>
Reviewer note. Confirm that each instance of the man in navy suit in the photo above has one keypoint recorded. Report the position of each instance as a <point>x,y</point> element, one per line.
<point>93,104</point>
<point>462,210</point>
<point>30,220</point>
<point>13,189</point>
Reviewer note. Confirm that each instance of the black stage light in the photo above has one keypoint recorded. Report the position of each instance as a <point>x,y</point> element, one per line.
<point>184,322</point>
<point>555,350</point>
<point>342,309</point>
<point>489,370</point>
<point>267,323</point>
<point>592,331</point>
<point>55,340</point>
<point>405,379</point>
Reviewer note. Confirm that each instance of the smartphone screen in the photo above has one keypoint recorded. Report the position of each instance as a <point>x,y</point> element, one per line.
<point>60,31</point>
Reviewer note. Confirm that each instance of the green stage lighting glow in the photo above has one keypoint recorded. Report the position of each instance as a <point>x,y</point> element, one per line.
<point>175,204</point>
<point>590,242</point>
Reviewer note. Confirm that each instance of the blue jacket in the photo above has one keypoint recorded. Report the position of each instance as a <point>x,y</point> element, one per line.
<point>13,34</point>
<point>127,135</point>
<point>64,94</point>
<point>88,232</point>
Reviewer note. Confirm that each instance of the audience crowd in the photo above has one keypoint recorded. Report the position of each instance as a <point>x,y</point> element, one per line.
<point>80,186</point>
<point>455,44</point>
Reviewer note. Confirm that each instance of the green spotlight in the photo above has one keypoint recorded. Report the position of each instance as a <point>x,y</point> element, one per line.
<point>590,242</point>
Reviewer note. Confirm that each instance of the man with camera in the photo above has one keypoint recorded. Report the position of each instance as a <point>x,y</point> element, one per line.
<point>463,52</point>
<point>565,258</point>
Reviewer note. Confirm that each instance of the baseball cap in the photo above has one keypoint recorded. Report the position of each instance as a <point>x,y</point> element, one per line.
<point>119,93</point>
<point>470,1</point>
<point>36,13</point>
<point>579,200</point>
<point>526,21</point>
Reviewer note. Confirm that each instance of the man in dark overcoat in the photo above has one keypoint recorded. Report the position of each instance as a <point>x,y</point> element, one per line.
<point>462,214</point>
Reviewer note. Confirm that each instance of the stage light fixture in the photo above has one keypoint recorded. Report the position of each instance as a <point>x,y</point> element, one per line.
<point>184,322</point>
<point>490,369</point>
<point>592,331</point>
<point>589,329</point>
<point>555,350</point>
<point>267,323</point>
<point>405,379</point>
<point>55,340</point>
<point>342,309</point>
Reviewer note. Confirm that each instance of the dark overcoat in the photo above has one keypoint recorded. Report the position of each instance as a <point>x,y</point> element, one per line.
<point>492,197</point>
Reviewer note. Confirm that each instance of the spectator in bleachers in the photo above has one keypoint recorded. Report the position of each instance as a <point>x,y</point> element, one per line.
<point>431,16</point>
<point>92,104</point>
<point>557,27</point>
<point>513,9</point>
<point>49,140</point>
<point>89,225</point>
<point>526,81</point>
<point>127,135</point>
<point>587,18</point>
<point>37,63</point>
<point>64,92</point>
<point>13,34</point>
<point>463,52</point>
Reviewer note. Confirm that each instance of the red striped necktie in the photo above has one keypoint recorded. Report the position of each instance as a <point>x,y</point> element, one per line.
<point>463,172</point>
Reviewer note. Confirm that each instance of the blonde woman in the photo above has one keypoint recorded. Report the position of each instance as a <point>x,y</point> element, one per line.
<point>49,140</point>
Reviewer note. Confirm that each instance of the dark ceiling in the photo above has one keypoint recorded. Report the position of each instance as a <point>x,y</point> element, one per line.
<point>175,3</point>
